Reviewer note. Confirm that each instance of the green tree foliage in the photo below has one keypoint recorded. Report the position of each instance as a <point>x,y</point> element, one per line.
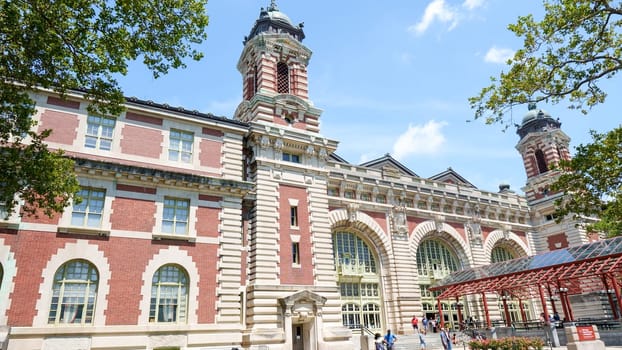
<point>77,44</point>
<point>565,56</point>
<point>593,181</point>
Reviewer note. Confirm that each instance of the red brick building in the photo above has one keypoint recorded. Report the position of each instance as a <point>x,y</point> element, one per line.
<point>205,232</point>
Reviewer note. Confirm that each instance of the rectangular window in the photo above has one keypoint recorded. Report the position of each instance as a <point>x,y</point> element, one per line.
<point>175,216</point>
<point>99,132</point>
<point>293,216</point>
<point>88,213</point>
<point>296,253</point>
<point>288,157</point>
<point>180,149</point>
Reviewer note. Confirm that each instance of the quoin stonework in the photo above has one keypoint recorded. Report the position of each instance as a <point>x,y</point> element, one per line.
<point>249,231</point>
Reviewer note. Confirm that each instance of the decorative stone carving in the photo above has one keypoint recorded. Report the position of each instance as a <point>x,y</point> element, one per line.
<point>352,209</point>
<point>439,220</point>
<point>474,233</point>
<point>399,222</point>
<point>507,229</point>
<point>323,154</point>
<point>278,144</point>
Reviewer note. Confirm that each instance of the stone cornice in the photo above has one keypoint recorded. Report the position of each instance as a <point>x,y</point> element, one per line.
<point>157,176</point>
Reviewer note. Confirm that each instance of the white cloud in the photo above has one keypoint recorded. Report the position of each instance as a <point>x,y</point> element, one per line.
<point>420,139</point>
<point>498,55</point>
<point>439,11</point>
<point>472,4</point>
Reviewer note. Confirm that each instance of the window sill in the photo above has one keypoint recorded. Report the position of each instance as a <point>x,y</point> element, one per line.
<point>84,231</point>
<point>161,236</point>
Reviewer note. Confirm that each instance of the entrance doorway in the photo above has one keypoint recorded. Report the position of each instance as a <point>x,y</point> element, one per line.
<point>298,339</point>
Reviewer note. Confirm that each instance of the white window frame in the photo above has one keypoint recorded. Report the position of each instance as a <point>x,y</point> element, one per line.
<point>62,291</point>
<point>65,224</point>
<point>100,123</point>
<point>87,207</point>
<point>179,149</point>
<point>180,208</point>
<point>192,198</point>
<point>181,306</point>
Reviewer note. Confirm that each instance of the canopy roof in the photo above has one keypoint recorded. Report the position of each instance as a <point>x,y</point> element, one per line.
<point>581,269</point>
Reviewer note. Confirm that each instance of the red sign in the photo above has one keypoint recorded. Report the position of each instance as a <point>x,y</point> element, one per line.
<point>586,333</point>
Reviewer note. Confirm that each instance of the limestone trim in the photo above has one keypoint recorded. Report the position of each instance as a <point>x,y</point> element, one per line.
<point>451,236</point>
<point>7,284</point>
<point>497,236</point>
<point>359,221</point>
<point>170,255</point>
<point>81,249</point>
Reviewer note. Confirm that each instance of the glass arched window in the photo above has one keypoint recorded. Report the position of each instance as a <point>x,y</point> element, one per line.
<point>351,252</point>
<point>542,167</point>
<point>499,254</point>
<point>359,282</point>
<point>282,78</point>
<point>169,295</point>
<point>435,260</point>
<point>74,293</point>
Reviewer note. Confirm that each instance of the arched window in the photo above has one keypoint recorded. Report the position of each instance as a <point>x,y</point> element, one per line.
<point>73,293</point>
<point>255,79</point>
<point>500,253</point>
<point>352,253</point>
<point>435,260</point>
<point>542,167</point>
<point>282,78</point>
<point>169,295</point>
<point>359,282</point>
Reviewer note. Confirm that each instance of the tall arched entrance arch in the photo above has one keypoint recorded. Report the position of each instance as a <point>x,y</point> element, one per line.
<point>512,309</point>
<point>436,260</point>
<point>359,281</point>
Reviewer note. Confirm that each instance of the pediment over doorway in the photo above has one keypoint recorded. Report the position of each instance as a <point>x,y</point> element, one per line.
<point>303,305</point>
<point>303,296</point>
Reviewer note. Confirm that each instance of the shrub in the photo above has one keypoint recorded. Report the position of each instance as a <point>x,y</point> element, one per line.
<point>510,343</point>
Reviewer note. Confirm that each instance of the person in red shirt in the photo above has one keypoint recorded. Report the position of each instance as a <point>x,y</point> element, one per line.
<point>415,323</point>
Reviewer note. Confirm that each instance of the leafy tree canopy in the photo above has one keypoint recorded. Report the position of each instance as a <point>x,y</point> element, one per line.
<point>77,44</point>
<point>593,178</point>
<point>564,56</point>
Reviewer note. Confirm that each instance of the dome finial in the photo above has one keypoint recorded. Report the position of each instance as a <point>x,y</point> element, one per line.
<point>273,6</point>
<point>531,106</point>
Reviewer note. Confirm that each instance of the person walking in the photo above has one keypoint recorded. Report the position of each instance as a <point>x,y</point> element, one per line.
<point>421,341</point>
<point>378,341</point>
<point>424,321</point>
<point>389,340</point>
<point>415,323</point>
<point>445,338</point>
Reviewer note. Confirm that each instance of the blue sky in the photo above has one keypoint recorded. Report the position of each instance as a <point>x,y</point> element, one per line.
<point>391,77</point>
